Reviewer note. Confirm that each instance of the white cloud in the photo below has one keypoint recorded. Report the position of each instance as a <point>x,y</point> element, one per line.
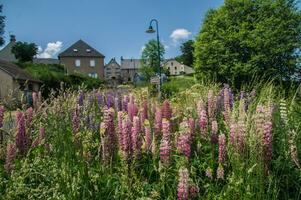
<point>51,50</point>
<point>142,48</point>
<point>179,34</point>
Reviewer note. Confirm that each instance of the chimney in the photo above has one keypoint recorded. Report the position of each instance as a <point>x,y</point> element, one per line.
<point>12,38</point>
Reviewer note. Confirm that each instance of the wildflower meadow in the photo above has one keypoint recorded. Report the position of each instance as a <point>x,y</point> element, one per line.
<point>206,142</point>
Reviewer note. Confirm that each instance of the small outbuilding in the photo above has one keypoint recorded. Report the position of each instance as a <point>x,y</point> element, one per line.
<point>14,81</point>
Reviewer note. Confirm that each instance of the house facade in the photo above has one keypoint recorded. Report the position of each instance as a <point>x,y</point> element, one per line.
<point>14,81</point>
<point>113,71</point>
<point>129,69</point>
<point>176,68</point>
<point>82,58</point>
<point>5,53</point>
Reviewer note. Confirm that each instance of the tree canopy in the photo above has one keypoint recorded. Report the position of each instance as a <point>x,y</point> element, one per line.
<point>2,25</point>
<point>187,49</point>
<point>149,57</point>
<point>24,51</point>
<point>243,38</point>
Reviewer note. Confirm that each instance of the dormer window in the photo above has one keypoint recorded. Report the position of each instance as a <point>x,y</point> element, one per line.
<point>75,50</point>
<point>88,50</point>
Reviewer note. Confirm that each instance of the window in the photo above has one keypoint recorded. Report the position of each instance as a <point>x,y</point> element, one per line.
<point>75,50</point>
<point>92,63</point>
<point>171,63</point>
<point>176,68</point>
<point>88,50</point>
<point>77,63</point>
<point>93,75</point>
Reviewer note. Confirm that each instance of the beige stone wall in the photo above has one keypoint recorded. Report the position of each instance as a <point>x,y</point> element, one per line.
<point>176,68</point>
<point>6,84</point>
<point>85,68</point>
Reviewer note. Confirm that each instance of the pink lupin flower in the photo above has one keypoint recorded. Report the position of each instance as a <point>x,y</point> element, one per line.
<point>21,137</point>
<point>191,123</point>
<point>165,146</point>
<point>126,138</point>
<point>158,121</point>
<point>136,139</point>
<point>144,113</point>
<point>227,106</point>
<point>233,128</point>
<point>240,136</point>
<point>267,142</point>
<point>148,136</point>
<point>132,109</point>
<point>214,132</point>
<point>2,111</point>
<point>166,110</point>
<point>11,153</point>
<point>211,104</point>
<point>29,115</point>
<point>208,173</point>
<point>183,187</point>
<point>221,148</point>
<point>203,122</point>
<point>125,102</point>
<point>194,191</point>
<point>183,140</point>
<point>119,119</point>
<point>220,172</point>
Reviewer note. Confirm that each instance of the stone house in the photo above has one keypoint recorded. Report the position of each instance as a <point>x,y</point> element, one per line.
<point>113,71</point>
<point>176,68</point>
<point>82,58</point>
<point>14,81</point>
<point>5,53</point>
<point>129,69</point>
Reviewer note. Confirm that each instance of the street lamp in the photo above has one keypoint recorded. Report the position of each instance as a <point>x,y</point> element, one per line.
<point>152,30</point>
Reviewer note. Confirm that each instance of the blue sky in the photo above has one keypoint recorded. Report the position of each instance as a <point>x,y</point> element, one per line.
<point>114,27</point>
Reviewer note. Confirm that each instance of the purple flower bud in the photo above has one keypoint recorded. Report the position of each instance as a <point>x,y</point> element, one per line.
<point>183,140</point>
<point>21,138</point>
<point>194,191</point>
<point>126,139</point>
<point>165,146</point>
<point>80,98</point>
<point>183,187</point>
<point>29,115</point>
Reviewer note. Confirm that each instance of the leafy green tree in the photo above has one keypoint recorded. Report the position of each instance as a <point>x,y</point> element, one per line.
<point>24,51</point>
<point>243,38</point>
<point>2,25</point>
<point>187,49</point>
<point>149,57</point>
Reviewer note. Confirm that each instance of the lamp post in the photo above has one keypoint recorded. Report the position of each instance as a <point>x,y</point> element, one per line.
<point>152,30</point>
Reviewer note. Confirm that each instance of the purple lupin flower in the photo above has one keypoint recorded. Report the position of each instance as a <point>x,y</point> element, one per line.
<point>221,148</point>
<point>11,153</point>
<point>29,115</point>
<point>183,187</point>
<point>132,109</point>
<point>183,140</point>
<point>80,98</point>
<point>99,98</point>
<point>166,110</point>
<point>119,121</point>
<point>220,172</point>
<point>21,137</point>
<point>148,136</point>
<point>75,122</point>
<point>165,146</point>
<point>158,121</point>
<point>191,123</point>
<point>2,111</point>
<point>240,136</point>
<point>125,102</point>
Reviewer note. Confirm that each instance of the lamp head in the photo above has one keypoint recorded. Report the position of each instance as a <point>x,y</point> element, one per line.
<point>150,29</point>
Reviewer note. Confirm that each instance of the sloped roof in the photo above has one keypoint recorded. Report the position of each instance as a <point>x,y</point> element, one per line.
<point>6,54</point>
<point>16,72</point>
<point>113,60</point>
<point>81,50</point>
<point>46,61</point>
<point>130,63</point>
